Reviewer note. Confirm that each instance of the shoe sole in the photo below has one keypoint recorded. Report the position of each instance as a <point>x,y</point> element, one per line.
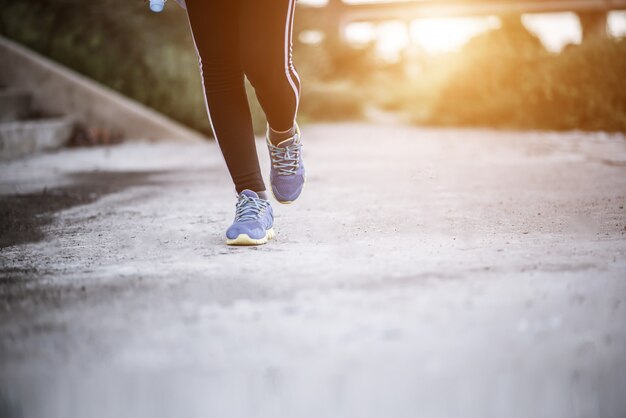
<point>245,240</point>
<point>287,202</point>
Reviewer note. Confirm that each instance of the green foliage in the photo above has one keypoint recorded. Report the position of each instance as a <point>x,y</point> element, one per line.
<point>335,79</point>
<point>502,78</point>
<point>519,85</point>
<point>145,56</point>
<point>331,101</point>
<point>151,58</point>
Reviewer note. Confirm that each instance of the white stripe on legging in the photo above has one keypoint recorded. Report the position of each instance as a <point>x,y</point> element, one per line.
<point>288,45</point>
<point>294,72</point>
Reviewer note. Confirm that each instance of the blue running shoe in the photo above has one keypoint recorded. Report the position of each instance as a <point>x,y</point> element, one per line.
<point>253,221</point>
<point>287,175</point>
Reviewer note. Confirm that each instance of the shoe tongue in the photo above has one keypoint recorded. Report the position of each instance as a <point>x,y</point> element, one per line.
<point>286,142</point>
<point>249,193</point>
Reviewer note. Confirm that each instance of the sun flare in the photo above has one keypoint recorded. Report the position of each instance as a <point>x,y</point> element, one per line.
<point>432,35</point>
<point>444,34</point>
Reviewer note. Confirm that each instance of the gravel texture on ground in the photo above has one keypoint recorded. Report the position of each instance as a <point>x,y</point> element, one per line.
<point>423,272</point>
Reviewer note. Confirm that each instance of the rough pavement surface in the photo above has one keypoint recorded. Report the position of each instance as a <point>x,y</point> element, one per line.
<point>433,273</point>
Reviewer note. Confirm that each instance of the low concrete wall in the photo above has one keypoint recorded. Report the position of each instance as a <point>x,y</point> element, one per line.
<point>21,138</point>
<point>58,90</point>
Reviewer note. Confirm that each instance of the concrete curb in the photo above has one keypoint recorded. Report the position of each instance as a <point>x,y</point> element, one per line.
<point>59,90</point>
<point>21,138</point>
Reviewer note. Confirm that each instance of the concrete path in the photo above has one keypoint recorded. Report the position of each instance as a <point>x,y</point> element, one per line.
<point>430,273</point>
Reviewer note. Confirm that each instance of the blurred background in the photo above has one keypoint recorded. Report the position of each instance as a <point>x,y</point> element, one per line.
<point>470,273</point>
<point>482,64</point>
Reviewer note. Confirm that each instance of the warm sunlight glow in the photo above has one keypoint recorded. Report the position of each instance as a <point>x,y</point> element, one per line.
<point>617,23</point>
<point>391,38</point>
<point>435,35</point>
<point>445,34</point>
<point>360,33</point>
<point>554,29</point>
<point>431,35</point>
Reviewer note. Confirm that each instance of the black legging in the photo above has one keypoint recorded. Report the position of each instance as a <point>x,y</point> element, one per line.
<point>251,37</point>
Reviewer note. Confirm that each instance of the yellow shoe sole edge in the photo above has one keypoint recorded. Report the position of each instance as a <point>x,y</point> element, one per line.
<point>244,239</point>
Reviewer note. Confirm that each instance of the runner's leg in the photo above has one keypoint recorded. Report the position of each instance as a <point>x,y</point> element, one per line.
<point>266,29</point>
<point>215,29</point>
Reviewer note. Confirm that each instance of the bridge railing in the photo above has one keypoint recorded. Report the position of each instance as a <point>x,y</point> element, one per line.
<point>336,14</point>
